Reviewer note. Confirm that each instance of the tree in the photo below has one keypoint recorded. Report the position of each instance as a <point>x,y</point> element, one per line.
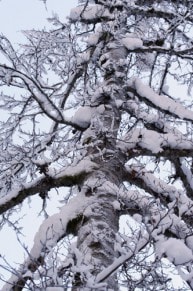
<point>95,111</point>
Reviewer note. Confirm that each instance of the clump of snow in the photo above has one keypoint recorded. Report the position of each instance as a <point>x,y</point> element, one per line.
<point>89,13</point>
<point>189,242</point>
<point>88,136</point>
<point>116,205</point>
<point>175,250</point>
<point>131,42</point>
<point>82,116</point>
<point>137,217</point>
<point>100,109</point>
<point>83,57</point>
<point>93,38</point>
<point>119,103</point>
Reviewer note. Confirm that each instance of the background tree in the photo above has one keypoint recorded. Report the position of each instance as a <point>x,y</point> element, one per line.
<point>95,111</point>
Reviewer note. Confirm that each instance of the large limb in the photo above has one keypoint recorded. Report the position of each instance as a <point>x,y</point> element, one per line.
<point>50,232</point>
<point>72,175</point>
<point>141,141</point>
<point>146,180</point>
<point>160,102</point>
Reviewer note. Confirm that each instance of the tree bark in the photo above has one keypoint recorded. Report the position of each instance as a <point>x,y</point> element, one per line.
<point>97,233</point>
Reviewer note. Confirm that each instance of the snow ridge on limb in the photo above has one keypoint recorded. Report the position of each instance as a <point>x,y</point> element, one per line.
<point>161,102</point>
<point>166,193</point>
<point>50,232</point>
<point>90,14</point>
<point>72,175</point>
<point>44,101</point>
<point>155,142</point>
<point>140,241</point>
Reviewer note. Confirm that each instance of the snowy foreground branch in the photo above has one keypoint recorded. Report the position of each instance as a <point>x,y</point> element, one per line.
<point>166,193</point>
<point>68,177</point>
<point>141,242</point>
<point>160,102</point>
<point>50,232</point>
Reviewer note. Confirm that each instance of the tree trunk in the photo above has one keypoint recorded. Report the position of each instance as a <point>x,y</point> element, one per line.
<point>97,233</point>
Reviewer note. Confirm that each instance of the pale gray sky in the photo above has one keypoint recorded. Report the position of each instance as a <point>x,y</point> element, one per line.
<point>17,15</point>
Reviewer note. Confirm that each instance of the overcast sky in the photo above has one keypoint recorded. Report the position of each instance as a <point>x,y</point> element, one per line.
<point>15,16</point>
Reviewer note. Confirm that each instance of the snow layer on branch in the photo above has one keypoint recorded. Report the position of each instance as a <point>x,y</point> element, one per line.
<point>84,114</point>
<point>157,185</point>
<point>154,141</point>
<point>134,107</point>
<point>54,227</point>
<point>162,101</point>
<point>175,250</point>
<point>84,165</point>
<point>89,12</point>
<point>13,193</point>
<point>93,38</point>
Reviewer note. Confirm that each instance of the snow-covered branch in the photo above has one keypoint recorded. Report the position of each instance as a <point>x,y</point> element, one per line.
<point>72,175</point>
<point>185,173</point>
<point>90,14</point>
<point>151,142</point>
<point>50,232</point>
<point>160,189</point>
<point>81,116</point>
<point>160,102</point>
<point>141,241</point>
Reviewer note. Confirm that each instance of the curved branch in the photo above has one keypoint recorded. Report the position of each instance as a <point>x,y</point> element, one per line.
<point>160,102</point>
<point>73,175</point>
<point>184,173</point>
<point>50,232</point>
<point>141,243</point>
<point>155,13</point>
<point>142,141</point>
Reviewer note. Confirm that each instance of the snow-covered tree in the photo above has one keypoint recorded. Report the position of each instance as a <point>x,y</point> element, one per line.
<point>100,109</point>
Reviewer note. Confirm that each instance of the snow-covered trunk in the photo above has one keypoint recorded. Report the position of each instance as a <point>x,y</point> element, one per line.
<point>97,232</point>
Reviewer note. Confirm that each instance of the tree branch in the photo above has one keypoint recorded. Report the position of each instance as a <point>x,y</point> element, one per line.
<point>52,230</point>
<point>73,175</point>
